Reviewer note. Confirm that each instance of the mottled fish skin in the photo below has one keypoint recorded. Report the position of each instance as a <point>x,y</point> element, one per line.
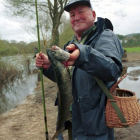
<point>63,80</point>
<point>60,55</point>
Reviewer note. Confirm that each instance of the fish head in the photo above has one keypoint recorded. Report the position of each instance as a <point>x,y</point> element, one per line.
<point>58,54</point>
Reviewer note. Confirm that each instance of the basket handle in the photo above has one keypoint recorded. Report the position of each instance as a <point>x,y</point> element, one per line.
<point>112,101</point>
<point>113,87</point>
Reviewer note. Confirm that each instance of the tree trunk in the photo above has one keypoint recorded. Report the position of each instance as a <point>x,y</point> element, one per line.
<point>55,14</point>
<point>55,37</point>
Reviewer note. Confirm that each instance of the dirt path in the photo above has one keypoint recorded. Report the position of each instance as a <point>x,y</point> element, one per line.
<point>133,60</point>
<point>25,121</point>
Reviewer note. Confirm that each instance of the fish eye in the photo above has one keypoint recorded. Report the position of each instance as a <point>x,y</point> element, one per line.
<point>54,52</point>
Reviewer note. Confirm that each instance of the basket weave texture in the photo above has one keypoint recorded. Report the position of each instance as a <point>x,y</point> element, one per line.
<point>128,104</point>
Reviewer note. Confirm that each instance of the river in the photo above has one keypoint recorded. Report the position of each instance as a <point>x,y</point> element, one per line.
<point>17,91</point>
<point>132,81</point>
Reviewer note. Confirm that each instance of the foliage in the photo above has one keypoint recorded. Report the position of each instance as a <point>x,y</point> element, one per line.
<point>67,33</point>
<point>132,40</point>
<point>8,48</point>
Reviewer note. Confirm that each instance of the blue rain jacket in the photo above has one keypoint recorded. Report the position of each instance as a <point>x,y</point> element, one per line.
<point>100,56</point>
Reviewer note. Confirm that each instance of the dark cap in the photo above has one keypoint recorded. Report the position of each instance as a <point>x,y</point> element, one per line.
<point>73,2</point>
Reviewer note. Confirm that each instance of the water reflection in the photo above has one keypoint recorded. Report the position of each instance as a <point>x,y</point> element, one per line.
<point>15,92</point>
<point>132,81</point>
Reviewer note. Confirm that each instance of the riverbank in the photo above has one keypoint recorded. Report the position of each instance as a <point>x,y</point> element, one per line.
<point>26,120</point>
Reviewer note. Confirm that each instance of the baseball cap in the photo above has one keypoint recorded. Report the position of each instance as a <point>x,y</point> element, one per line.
<point>73,2</point>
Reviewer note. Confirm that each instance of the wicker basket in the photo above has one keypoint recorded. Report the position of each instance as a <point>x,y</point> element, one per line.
<point>128,104</point>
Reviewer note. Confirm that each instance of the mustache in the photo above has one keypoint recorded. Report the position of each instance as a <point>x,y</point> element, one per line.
<point>79,21</point>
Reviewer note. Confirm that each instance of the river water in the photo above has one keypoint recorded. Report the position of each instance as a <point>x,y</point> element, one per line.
<point>132,83</point>
<point>17,91</point>
<point>21,88</point>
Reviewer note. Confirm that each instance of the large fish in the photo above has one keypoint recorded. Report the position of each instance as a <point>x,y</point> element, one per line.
<point>57,57</point>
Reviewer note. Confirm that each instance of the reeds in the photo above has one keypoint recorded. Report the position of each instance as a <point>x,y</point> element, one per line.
<point>8,73</point>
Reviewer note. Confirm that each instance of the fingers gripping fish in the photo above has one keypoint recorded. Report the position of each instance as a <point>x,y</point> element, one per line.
<point>58,56</point>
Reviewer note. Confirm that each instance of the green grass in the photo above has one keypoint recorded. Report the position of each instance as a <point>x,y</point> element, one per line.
<point>133,49</point>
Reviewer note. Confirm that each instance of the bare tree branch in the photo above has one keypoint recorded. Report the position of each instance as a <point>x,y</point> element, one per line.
<point>49,11</point>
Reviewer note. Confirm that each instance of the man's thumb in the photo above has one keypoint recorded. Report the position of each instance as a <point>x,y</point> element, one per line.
<point>41,55</point>
<point>71,47</point>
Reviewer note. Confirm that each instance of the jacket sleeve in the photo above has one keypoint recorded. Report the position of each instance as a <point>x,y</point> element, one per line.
<point>49,73</point>
<point>104,60</point>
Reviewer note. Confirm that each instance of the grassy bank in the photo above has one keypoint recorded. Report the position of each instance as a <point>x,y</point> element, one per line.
<point>132,49</point>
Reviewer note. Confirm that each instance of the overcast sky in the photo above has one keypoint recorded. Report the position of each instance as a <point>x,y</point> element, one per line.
<point>124,14</point>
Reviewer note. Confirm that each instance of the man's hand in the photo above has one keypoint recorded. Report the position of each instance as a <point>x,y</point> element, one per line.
<point>42,61</point>
<point>74,55</point>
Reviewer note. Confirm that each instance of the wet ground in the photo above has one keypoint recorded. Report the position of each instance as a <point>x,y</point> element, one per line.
<point>26,120</point>
<point>131,133</point>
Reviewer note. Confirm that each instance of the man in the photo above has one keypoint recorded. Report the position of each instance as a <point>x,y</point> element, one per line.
<point>94,51</point>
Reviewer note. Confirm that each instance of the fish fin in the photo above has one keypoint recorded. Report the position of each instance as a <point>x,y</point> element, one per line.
<point>65,64</point>
<point>57,133</point>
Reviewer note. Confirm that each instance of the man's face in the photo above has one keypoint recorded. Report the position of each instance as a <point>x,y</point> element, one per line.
<point>81,18</point>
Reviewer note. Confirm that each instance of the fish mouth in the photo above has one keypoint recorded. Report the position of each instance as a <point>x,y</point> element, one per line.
<point>50,52</point>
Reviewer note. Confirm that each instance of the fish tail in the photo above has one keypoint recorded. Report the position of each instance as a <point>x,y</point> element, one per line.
<point>57,133</point>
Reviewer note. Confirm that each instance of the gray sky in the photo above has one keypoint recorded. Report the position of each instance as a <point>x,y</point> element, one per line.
<point>124,14</point>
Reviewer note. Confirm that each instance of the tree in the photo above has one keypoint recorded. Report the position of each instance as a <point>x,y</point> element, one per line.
<point>66,33</point>
<point>49,10</point>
